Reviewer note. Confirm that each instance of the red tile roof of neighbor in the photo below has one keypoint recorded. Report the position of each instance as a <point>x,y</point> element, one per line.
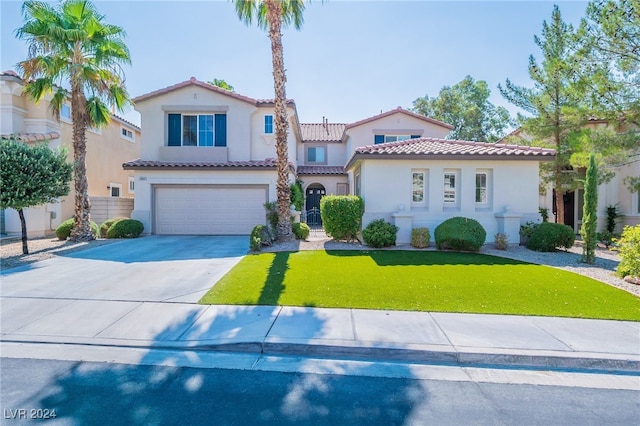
<point>321,170</point>
<point>31,137</point>
<point>433,148</point>
<point>319,132</point>
<point>403,111</point>
<point>195,82</point>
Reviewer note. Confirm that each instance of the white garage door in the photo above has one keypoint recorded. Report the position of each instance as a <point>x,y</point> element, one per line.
<point>209,209</point>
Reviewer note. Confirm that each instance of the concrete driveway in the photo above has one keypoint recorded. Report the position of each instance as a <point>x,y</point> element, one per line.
<point>154,268</point>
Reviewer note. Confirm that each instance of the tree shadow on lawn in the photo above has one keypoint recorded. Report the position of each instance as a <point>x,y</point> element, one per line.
<point>274,284</point>
<point>426,258</point>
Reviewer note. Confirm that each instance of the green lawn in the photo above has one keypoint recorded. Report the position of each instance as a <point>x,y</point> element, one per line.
<point>419,281</point>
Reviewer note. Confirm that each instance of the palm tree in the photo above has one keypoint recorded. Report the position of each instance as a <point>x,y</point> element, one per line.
<point>273,15</point>
<point>70,44</point>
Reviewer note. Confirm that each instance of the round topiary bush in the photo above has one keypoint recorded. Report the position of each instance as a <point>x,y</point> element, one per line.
<point>107,224</point>
<point>380,234</point>
<point>548,236</point>
<point>300,230</point>
<point>126,228</point>
<point>420,237</point>
<point>460,233</point>
<point>64,229</point>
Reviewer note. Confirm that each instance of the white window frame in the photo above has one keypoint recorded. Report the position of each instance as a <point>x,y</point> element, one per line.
<point>488,188</point>
<point>396,138</point>
<point>273,126</point>
<point>357,184</point>
<point>131,185</point>
<point>131,138</point>
<point>635,202</point>
<point>425,187</point>
<point>453,201</point>
<point>66,119</point>
<point>115,185</point>
<point>324,148</point>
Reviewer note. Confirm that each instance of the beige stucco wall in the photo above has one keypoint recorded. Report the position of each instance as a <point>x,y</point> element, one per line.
<point>386,187</point>
<point>246,139</point>
<point>106,151</point>
<point>335,151</point>
<point>398,123</point>
<point>146,179</point>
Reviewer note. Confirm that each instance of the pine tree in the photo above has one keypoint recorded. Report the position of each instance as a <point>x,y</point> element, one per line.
<point>554,103</point>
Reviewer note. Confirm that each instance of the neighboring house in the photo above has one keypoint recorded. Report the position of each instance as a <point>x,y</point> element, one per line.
<point>111,189</point>
<point>613,193</point>
<point>208,166</point>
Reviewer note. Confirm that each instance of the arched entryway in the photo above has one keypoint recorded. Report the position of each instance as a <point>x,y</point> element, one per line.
<point>313,195</point>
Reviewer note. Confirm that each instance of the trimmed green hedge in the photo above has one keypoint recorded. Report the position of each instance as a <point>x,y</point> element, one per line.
<point>379,233</point>
<point>300,230</point>
<point>126,228</point>
<point>342,215</point>
<point>460,233</point>
<point>107,224</point>
<point>64,229</point>
<point>548,236</point>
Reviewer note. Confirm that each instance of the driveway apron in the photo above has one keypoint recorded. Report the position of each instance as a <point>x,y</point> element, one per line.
<point>155,268</point>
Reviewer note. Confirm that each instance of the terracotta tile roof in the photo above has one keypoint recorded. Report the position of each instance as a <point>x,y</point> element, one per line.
<point>321,170</point>
<point>318,132</point>
<point>269,163</point>
<point>403,111</point>
<point>434,148</point>
<point>31,137</point>
<point>195,82</point>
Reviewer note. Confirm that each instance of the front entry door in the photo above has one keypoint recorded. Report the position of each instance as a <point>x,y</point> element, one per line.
<point>312,205</point>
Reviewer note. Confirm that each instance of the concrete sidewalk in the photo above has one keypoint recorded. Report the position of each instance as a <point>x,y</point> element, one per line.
<point>443,338</point>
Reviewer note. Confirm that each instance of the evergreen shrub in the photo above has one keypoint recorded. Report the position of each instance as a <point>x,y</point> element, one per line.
<point>420,237</point>
<point>629,250</point>
<point>125,228</point>
<point>380,234</point>
<point>300,230</point>
<point>342,216</point>
<point>460,233</point>
<point>548,236</point>
<point>64,229</point>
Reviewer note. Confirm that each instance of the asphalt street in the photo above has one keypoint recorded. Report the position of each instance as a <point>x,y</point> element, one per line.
<point>96,393</point>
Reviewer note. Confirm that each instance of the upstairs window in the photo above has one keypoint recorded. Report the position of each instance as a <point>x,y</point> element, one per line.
<point>316,154</point>
<point>377,139</point>
<point>268,124</point>
<point>197,130</point>
<point>65,112</point>
<point>126,134</point>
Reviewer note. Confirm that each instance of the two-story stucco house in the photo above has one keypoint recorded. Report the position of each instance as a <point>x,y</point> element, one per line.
<point>208,167</point>
<point>111,189</point>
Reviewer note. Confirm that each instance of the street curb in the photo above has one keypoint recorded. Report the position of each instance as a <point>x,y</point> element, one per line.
<point>427,354</point>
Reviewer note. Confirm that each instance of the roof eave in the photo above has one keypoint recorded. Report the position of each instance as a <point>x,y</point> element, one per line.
<point>438,157</point>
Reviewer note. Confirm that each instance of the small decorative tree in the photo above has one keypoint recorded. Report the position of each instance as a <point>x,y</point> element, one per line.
<point>590,212</point>
<point>30,176</point>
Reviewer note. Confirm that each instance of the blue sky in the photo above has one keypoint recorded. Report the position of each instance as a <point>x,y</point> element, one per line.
<point>351,60</point>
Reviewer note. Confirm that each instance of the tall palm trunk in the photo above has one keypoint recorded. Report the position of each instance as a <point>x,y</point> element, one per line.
<point>81,228</point>
<point>274,18</point>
